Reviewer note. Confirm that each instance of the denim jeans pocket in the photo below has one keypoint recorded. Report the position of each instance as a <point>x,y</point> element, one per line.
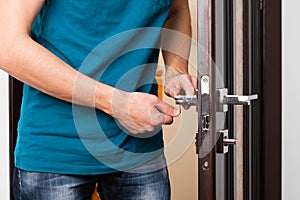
<point>48,186</point>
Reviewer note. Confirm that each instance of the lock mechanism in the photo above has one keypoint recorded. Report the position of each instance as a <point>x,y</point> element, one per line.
<point>190,100</point>
<point>222,102</point>
<point>224,142</point>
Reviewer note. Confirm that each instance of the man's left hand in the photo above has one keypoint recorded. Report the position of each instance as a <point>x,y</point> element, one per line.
<point>177,83</point>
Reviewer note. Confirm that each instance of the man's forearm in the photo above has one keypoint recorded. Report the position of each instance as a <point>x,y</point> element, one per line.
<point>31,63</point>
<point>179,20</point>
<point>176,45</point>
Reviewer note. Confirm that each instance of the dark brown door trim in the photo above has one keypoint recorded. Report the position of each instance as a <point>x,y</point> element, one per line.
<point>272,102</point>
<point>266,143</point>
<point>15,97</point>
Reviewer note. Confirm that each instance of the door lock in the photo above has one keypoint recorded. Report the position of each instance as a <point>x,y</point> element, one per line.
<point>190,100</point>
<point>224,142</point>
<point>223,100</point>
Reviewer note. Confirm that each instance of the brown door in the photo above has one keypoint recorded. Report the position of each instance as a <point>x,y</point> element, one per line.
<point>234,85</point>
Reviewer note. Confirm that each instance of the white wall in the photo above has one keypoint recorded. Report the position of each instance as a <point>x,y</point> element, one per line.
<point>4,137</point>
<point>291,99</point>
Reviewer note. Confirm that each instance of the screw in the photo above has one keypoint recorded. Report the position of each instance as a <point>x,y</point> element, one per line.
<point>205,165</point>
<point>205,80</point>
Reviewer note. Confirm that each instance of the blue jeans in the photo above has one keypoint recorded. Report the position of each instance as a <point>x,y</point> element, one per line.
<point>115,186</point>
<point>147,182</point>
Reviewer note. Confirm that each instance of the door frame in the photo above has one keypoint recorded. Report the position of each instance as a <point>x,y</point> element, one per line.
<point>272,104</point>
<point>267,116</point>
<point>263,145</point>
<point>15,98</point>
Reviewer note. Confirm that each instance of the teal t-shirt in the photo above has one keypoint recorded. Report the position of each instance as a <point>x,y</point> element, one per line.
<point>110,41</point>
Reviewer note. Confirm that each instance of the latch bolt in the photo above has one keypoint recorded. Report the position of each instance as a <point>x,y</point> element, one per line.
<point>224,142</point>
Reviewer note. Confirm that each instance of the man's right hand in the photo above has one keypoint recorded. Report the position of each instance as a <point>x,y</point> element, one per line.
<point>140,112</point>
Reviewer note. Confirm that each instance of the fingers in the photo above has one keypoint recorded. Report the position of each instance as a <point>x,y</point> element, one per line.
<point>171,92</point>
<point>161,119</point>
<point>168,120</point>
<point>194,81</point>
<point>164,113</point>
<point>145,113</point>
<point>187,85</point>
<point>181,84</point>
<point>167,109</point>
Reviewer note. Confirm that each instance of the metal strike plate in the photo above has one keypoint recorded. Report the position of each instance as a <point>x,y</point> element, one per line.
<point>224,100</point>
<point>224,142</point>
<point>205,95</point>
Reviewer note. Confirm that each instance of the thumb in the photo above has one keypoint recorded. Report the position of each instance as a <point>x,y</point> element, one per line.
<point>167,109</point>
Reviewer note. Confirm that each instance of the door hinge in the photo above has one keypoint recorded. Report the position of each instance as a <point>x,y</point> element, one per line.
<point>261,4</point>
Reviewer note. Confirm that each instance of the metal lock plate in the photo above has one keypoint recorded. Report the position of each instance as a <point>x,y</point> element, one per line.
<point>224,142</point>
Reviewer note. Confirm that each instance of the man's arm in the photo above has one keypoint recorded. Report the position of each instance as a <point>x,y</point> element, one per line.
<point>33,64</point>
<point>177,78</point>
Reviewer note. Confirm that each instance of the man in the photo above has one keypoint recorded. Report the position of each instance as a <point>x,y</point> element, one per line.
<point>47,44</point>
